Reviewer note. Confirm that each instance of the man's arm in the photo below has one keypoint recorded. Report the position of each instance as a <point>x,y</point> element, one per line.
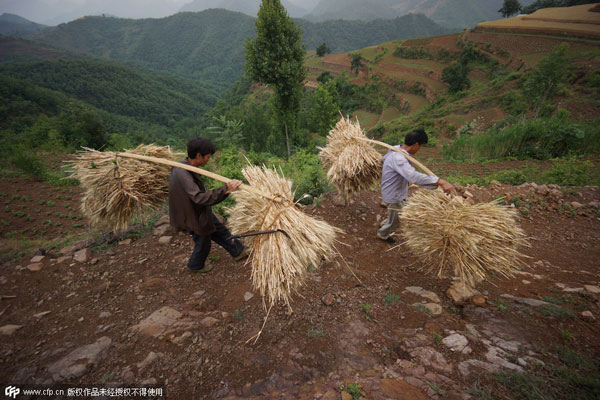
<point>206,198</point>
<point>405,168</point>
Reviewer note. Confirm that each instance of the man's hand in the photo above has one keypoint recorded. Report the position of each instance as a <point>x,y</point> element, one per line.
<point>446,186</point>
<point>233,185</point>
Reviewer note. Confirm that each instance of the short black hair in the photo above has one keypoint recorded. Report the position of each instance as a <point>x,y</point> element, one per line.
<point>200,145</point>
<point>416,136</point>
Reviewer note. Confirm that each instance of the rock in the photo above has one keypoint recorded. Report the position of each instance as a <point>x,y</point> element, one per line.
<point>434,308</point>
<point>159,321</point>
<point>40,315</point>
<point>339,200</point>
<point>479,300</point>
<point>248,296</point>
<point>125,242</point>
<point>460,293</point>
<point>431,358</point>
<point>494,356</point>
<point>104,314</point>
<point>208,322</point>
<point>464,367</point>
<point>328,299</point>
<point>161,230</point>
<point>346,396</point>
<point>82,255</point>
<point>150,358</point>
<point>573,290</point>
<point>529,302</point>
<point>181,339</point>
<point>592,289</point>
<point>36,259</point>
<point>63,259</point>
<point>399,389</point>
<point>149,382</point>
<point>127,375</point>
<point>79,361</point>
<point>455,342</point>
<point>8,330</point>
<point>588,316</point>
<point>94,261</point>
<point>35,267</point>
<point>165,239</point>
<point>576,205</point>
<point>164,220</point>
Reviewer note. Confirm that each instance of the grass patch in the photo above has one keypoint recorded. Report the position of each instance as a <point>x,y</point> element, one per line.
<point>555,311</point>
<point>354,390</point>
<point>391,298</point>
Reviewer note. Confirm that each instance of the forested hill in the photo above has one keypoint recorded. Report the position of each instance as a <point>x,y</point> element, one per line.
<point>209,45</point>
<point>10,23</point>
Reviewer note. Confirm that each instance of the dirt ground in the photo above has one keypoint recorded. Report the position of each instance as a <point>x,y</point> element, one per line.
<point>362,323</point>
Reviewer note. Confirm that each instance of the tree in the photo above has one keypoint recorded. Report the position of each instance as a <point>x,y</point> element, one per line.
<point>323,49</point>
<point>356,63</point>
<point>510,7</point>
<point>276,58</point>
<point>324,77</point>
<point>456,75</point>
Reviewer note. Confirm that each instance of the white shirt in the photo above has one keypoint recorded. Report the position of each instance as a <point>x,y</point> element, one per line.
<point>397,173</point>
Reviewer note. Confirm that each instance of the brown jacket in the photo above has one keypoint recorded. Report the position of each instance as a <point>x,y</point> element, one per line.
<point>189,202</point>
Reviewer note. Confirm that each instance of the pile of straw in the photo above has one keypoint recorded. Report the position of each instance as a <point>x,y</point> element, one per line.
<point>115,187</point>
<point>470,241</point>
<point>351,163</point>
<point>279,264</point>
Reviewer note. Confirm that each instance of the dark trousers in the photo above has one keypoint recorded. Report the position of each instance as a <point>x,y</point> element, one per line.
<point>221,236</point>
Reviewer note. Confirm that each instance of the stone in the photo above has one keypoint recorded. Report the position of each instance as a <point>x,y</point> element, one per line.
<point>576,205</point>
<point>127,375</point>
<point>165,239</point>
<point>41,314</point>
<point>79,361</point>
<point>159,321</point>
<point>431,358</point>
<point>339,200</point>
<point>82,255</point>
<point>63,259</point>
<point>434,308</point>
<point>455,342</point>
<point>460,293</point>
<point>592,289</point>
<point>208,322</point>
<point>494,356</point>
<point>125,242</point>
<point>465,366</point>
<point>161,230</point>
<point>529,302</point>
<point>104,314</point>
<point>328,299</point>
<point>479,300</point>
<point>164,220</point>
<point>248,296</point>
<point>399,389</point>
<point>35,267</point>
<point>588,316</point>
<point>9,329</point>
<point>36,259</point>
<point>149,382</point>
<point>150,358</point>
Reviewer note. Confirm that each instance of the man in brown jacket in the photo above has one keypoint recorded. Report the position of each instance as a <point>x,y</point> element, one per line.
<point>190,207</point>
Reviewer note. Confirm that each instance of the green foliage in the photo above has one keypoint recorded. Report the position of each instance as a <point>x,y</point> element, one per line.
<point>28,162</point>
<point>276,59</point>
<point>510,7</point>
<point>356,62</point>
<point>321,112</point>
<point>571,173</point>
<point>391,298</point>
<point>354,390</point>
<point>414,52</point>
<point>437,338</point>
<point>552,310</point>
<point>323,49</point>
<point>307,174</point>
<point>456,75</point>
<point>324,77</point>
<point>541,138</point>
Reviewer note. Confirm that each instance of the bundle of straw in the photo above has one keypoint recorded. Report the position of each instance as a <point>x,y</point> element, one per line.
<point>351,163</point>
<point>115,188</point>
<point>471,241</point>
<point>279,263</point>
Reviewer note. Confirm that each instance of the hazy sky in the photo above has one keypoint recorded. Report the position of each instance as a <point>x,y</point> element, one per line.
<point>52,12</point>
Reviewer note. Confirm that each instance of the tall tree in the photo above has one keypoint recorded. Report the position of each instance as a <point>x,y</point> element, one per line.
<point>356,62</point>
<point>276,59</point>
<point>510,7</point>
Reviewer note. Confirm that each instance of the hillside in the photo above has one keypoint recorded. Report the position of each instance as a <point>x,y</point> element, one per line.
<point>16,50</point>
<point>209,45</point>
<point>10,24</point>
<point>248,7</point>
<point>449,13</point>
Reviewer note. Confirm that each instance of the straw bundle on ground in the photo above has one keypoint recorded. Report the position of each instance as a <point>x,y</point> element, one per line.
<point>115,188</point>
<point>351,163</point>
<point>468,241</point>
<point>279,263</point>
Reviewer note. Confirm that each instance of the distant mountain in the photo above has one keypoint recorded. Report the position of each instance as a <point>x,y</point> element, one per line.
<point>449,13</point>
<point>11,23</point>
<point>209,46</point>
<point>19,50</point>
<point>248,7</point>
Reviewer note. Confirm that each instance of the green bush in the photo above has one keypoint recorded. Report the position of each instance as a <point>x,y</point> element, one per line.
<point>571,173</point>
<point>456,75</point>
<point>28,162</point>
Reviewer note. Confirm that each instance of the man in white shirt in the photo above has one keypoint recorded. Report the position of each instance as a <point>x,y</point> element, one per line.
<point>397,173</point>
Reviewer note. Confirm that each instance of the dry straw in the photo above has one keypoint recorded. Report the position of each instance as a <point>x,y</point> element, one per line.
<point>469,241</point>
<point>351,163</point>
<point>279,263</point>
<point>117,188</point>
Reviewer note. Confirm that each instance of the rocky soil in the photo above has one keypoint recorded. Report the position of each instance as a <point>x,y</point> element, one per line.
<point>368,324</point>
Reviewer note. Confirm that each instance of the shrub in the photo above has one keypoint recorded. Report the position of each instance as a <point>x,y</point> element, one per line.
<point>29,163</point>
<point>456,75</point>
<point>571,173</point>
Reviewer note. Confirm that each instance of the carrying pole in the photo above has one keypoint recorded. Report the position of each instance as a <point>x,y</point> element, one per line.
<point>407,156</point>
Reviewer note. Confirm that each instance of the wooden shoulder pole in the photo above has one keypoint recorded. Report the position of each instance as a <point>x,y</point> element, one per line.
<point>410,158</point>
<point>200,171</point>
